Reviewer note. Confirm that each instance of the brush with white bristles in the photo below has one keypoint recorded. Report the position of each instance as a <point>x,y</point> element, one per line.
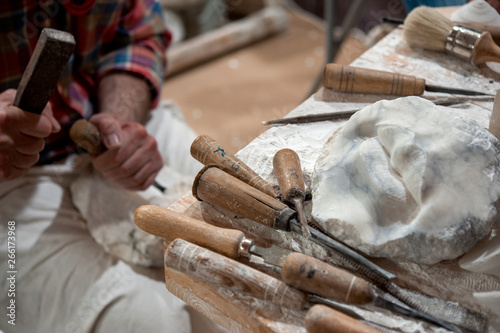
<point>426,28</point>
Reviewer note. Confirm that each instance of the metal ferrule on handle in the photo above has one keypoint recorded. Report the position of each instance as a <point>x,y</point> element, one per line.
<point>461,41</point>
<point>218,270</point>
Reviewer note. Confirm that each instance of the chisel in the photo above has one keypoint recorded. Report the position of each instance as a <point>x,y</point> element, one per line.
<point>297,270</point>
<point>330,282</point>
<point>323,319</point>
<point>288,172</point>
<point>87,136</point>
<point>221,189</point>
<point>50,56</point>
<point>211,267</point>
<point>220,271</point>
<point>350,79</point>
<point>207,151</point>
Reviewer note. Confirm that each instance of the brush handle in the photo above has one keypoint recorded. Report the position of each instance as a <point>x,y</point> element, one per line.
<point>220,271</point>
<point>207,151</point>
<point>350,79</point>
<point>314,276</point>
<point>485,50</point>
<point>166,223</point>
<point>322,319</point>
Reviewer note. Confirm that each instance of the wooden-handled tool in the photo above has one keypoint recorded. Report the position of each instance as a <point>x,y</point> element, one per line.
<point>207,151</point>
<point>426,28</point>
<point>494,126</point>
<point>49,58</point>
<point>297,270</point>
<point>287,169</point>
<point>87,136</point>
<point>350,79</point>
<point>220,188</point>
<point>493,30</point>
<point>217,270</point>
<point>323,319</point>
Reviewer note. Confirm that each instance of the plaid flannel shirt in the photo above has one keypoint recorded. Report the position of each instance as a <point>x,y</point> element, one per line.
<point>115,35</point>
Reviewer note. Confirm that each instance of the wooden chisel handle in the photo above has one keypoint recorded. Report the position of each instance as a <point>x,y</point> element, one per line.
<point>220,188</point>
<point>322,319</point>
<point>207,151</point>
<point>311,275</point>
<point>368,81</point>
<point>49,58</point>
<point>221,271</point>
<point>87,136</point>
<point>288,172</point>
<point>166,223</point>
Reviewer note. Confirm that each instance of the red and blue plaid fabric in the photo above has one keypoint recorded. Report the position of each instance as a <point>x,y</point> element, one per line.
<point>115,35</point>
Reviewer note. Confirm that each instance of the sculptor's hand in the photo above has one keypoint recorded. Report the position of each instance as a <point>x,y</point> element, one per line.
<point>22,136</point>
<point>132,159</point>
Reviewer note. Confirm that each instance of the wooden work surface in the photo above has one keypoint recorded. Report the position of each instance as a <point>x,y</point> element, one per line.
<point>240,313</point>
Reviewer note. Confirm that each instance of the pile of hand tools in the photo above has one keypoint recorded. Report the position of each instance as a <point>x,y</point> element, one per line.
<point>220,256</point>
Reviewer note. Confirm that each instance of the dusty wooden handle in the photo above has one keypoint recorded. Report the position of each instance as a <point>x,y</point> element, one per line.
<point>368,81</point>
<point>166,223</point>
<point>87,136</point>
<point>288,172</point>
<point>207,151</point>
<point>314,276</point>
<point>322,319</point>
<point>485,50</point>
<point>50,57</point>
<point>216,269</point>
<point>220,188</point>
<point>494,126</point>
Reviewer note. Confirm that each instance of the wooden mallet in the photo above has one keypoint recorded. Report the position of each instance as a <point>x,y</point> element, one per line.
<point>50,57</point>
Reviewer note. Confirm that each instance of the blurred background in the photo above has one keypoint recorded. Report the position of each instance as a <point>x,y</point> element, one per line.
<point>236,63</point>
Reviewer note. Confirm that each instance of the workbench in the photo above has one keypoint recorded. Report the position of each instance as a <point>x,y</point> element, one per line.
<point>241,313</point>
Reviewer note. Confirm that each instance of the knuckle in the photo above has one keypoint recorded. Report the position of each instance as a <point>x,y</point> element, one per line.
<point>140,130</point>
<point>150,144</point>
<point>127,171</point>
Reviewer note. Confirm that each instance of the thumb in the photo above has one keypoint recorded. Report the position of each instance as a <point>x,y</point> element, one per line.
<point>47,112</point>
<point>110,130</point>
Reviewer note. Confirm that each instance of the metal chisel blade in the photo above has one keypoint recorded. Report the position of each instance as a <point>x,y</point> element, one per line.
<point>412,313</point>
<point>342,249</point>
<point>457,91</point>
<point>273,255</point>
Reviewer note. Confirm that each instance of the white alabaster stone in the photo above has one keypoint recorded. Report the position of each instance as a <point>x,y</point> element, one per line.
<point>407,179</point>
<point>477,11</point>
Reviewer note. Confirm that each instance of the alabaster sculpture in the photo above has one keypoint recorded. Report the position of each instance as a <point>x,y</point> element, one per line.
<point>407,179</point>
<point>477,11</point>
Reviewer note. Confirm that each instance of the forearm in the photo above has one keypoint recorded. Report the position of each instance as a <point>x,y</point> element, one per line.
<point>126,96</point>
